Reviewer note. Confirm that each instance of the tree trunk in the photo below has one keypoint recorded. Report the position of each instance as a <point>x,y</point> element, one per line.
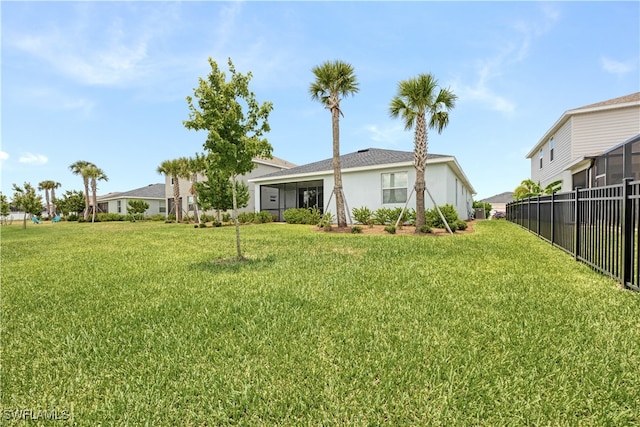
<point>94,189</point>
<point>235,218</point>
<point>86,198</point>
<point>420,162</point>
<point>53,201</point>
<point>337,171</point>
<point>46,196</point>
<point>176,198</point>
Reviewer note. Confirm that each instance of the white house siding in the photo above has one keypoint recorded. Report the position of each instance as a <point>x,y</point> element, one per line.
<point>561,158</point>
<point>364,187</point>
<point>154,205</point>
<point>597,131</point>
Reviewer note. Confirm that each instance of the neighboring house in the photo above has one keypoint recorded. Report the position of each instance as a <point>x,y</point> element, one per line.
<point>263,167</point>
<point>153,194</point>
<point>374,178</point>
<point>567,151</point>
<point>499,201</point>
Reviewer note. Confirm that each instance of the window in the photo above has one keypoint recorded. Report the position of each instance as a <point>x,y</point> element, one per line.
<point>551,146</point>
<point>394,187</point>
<point>162,207</point>
<point>119,206</point>
<point>540,157</point>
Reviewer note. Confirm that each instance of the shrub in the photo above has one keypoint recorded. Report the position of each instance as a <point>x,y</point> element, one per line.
<point>362,215</point>
<point>327,221</point>
<point>460,225</point>
<point>246,217</point>
<point>425,229</point>
<point>390,229</point>
<point>302,216</point>
<point>202,225</point>
<point>449,213</point>
<point>382,216</point>
<point>158,217</point>
<point>262,217</point>
<point>104,217</point>
<point>72,217</point>
<point>356,229</point>
<point>217,224</point>
<point>226,217</point>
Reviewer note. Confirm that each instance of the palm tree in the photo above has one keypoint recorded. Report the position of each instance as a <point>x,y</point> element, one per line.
<point>78,168</point>
<point>176,170</point>
<point>417,98</point>
<point>95,174</point>
<point>49,186</point>
<point>335,80</point>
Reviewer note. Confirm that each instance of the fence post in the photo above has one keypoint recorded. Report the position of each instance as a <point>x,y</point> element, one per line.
<point>553,225</point>
<point>576,232</point>
<point>627,232</point>
<point>538,215</point>
<point>529,213</point>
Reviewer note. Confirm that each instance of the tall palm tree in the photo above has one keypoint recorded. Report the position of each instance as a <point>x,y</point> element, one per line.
<point>95,174</point>
<point>49,186</point>
<point>420,99</point>
<point>175,169</point>
<point>53,197</point>
<point>334,80</point>
<point>78,168</point>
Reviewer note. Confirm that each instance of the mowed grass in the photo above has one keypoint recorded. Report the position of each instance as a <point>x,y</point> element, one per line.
<point>143,324</point>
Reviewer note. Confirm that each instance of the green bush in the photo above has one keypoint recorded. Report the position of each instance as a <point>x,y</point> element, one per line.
<point>72,217</point>
<point>327,221</point>
<point>262,217</point>
<point>158,217</point>
<point>460,224</point>
<point>449,213</point>
<point>356,229</point>
<point>226,217</point>
<point>390,229</point>
<point>246,217</point>
<point>425,229</point>
<point>105,217</point>
<point>362,215</point>
<point>302,216</point>
<point>382,216</point>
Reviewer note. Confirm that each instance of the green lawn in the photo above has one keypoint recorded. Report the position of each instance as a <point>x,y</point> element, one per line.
<point>141,324</point>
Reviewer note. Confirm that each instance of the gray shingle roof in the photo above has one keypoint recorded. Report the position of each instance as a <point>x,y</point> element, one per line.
<point>151,191</point>
<point>360,158</point>
<point>505,197</point>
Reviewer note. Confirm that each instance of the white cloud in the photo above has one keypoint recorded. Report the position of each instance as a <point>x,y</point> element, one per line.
<point>508,54</point>
<point>616,67</point>
<point>4,155</point>
<point>385,136</point>
<point>33,159</point>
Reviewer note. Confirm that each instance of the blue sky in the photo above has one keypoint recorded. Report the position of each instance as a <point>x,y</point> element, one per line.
<point>106,82</point>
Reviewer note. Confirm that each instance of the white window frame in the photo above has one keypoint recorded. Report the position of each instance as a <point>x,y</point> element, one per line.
<point>393,188</point>
<point>540,157</point>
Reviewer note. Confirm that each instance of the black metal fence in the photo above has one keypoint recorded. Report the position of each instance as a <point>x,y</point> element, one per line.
<point>598,226</point>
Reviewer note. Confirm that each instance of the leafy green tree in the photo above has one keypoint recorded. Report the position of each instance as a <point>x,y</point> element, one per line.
<point>49,188</point>
<point>5,210</point>
<point>235,123</point>
<point>529,188</point>
<point>79,168</point>
<point>137,207</point>
<point>217,193</point>
<point>72,201</point>
<point>482,205</point>
<point>94,174</point>
<point>26,200</point>
<point>422,103</point>
<point>335,80</point>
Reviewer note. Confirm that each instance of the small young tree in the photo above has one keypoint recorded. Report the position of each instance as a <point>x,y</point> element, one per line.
<point>235,123</point>
<point>26,200</point>
<point>4,209</point>
<point>137,207</point>
<point>216,193</point>
<point>72,201</point>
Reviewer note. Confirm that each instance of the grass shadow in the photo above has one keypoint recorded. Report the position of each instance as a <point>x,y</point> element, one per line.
<point>234,265</point>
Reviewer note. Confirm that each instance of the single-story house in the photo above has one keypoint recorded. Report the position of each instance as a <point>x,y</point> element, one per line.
<point>153,194</point>
<point>372,177</point>
<point>262,167</point>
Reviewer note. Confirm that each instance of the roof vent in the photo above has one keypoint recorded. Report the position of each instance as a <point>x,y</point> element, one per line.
<point>363,151</point>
